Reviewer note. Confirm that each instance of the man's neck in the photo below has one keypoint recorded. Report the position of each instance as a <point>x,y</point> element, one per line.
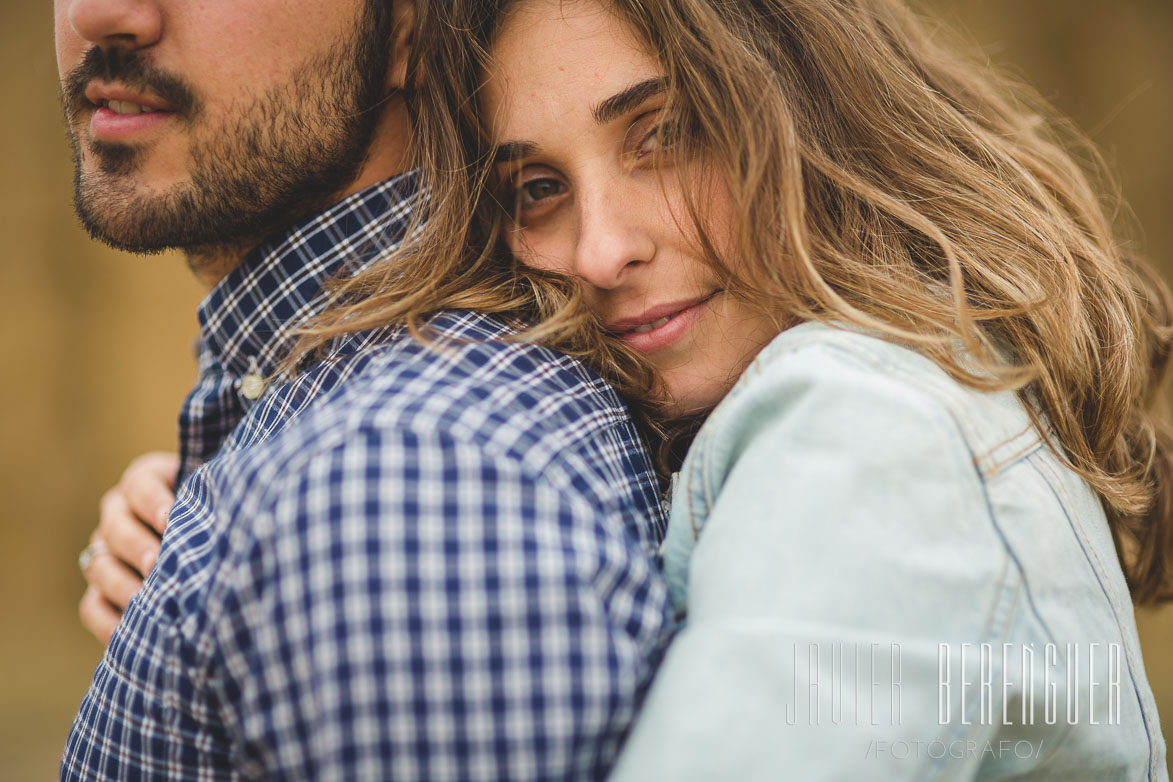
<point>211,263</point>
<point>388,156</point>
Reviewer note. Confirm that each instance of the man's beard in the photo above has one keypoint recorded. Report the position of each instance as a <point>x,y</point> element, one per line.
<point>265,166</point>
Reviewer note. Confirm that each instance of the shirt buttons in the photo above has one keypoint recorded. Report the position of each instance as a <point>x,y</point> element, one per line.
<point>252,385</point>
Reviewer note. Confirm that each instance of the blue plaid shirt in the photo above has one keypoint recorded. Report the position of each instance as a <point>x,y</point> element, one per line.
<point>440,569</point>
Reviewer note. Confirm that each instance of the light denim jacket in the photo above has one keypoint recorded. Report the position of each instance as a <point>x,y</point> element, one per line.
<point>849,522</point>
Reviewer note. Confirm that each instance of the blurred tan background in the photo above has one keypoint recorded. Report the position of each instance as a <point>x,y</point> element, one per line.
<point>96,344</point>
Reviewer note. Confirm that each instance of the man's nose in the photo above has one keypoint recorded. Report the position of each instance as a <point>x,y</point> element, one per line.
<point>613,238</point>
<point>131,24</point>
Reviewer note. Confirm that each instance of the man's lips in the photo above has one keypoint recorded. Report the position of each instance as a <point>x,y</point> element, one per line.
<point>124,101</point>
<point>661,325</point>
<point>109,125</point>
<point>123,115</point>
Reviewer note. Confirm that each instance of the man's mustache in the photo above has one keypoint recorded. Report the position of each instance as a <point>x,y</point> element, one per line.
<point>128,68</point>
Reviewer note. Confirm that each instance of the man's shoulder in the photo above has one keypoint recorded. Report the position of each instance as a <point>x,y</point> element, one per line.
<point>468,373</point>
<point>468,384</point>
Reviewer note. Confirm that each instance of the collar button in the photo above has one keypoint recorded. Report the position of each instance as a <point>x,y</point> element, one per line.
<point>252,386</point>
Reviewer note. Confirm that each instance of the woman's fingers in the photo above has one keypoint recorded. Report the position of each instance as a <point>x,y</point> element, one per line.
<point>114,580</point>
<point>126,536</point>
<point>148,486</point>
<point>98,616</point>
<point>128,516</point>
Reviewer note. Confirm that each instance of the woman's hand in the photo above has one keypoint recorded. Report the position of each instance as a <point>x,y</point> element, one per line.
<point>132,517</point>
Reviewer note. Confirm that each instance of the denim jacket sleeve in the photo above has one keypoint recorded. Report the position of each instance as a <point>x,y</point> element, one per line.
<point>845,549</point>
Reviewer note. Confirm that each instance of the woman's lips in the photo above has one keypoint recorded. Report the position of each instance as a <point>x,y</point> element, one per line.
<point>666,333</point>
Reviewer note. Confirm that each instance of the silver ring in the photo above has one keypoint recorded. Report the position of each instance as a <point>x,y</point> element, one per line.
<point>90,553</point>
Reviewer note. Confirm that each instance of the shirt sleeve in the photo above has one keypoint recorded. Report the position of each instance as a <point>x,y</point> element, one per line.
<point>848,536</point>
<point>417,607</point>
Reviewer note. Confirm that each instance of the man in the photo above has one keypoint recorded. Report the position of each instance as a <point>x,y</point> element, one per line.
<point>402,562</point>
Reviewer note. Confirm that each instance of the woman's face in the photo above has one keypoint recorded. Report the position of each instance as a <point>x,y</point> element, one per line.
<point>573,104</point>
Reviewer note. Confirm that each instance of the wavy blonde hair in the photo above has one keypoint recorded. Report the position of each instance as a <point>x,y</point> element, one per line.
<point>878,178</point>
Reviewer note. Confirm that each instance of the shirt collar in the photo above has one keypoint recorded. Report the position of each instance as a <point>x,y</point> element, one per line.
<point>247,319</point>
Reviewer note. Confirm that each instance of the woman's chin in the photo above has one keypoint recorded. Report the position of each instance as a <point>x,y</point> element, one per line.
<point>692,395</point>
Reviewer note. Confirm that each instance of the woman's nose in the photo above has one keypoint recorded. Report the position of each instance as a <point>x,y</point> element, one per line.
<point>132,24</point>
<point>613,238</point>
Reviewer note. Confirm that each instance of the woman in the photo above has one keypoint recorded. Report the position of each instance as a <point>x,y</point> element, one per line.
<point>941,363</point>
<point>932,360</point>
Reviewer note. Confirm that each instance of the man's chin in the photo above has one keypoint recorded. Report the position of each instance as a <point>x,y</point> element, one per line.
<point>116,211</point>
<point>126,242</point>
<point>147,234</point>
<point>148,225</point>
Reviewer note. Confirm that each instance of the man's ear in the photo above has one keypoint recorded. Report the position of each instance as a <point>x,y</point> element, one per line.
<point>403,43</point>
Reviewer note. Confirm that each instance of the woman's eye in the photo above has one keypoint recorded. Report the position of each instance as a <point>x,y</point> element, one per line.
<point>662,137</point>
<point>537,190</point>
<point>531,200</point>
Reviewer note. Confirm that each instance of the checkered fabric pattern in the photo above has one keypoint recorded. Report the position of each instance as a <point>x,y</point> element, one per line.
<point>247,321</point>
<point>440,569</point>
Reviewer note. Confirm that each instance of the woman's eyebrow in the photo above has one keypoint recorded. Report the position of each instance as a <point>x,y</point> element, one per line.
<point>513,150</point>
<point>622,102</point>
<point>616,106</point>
